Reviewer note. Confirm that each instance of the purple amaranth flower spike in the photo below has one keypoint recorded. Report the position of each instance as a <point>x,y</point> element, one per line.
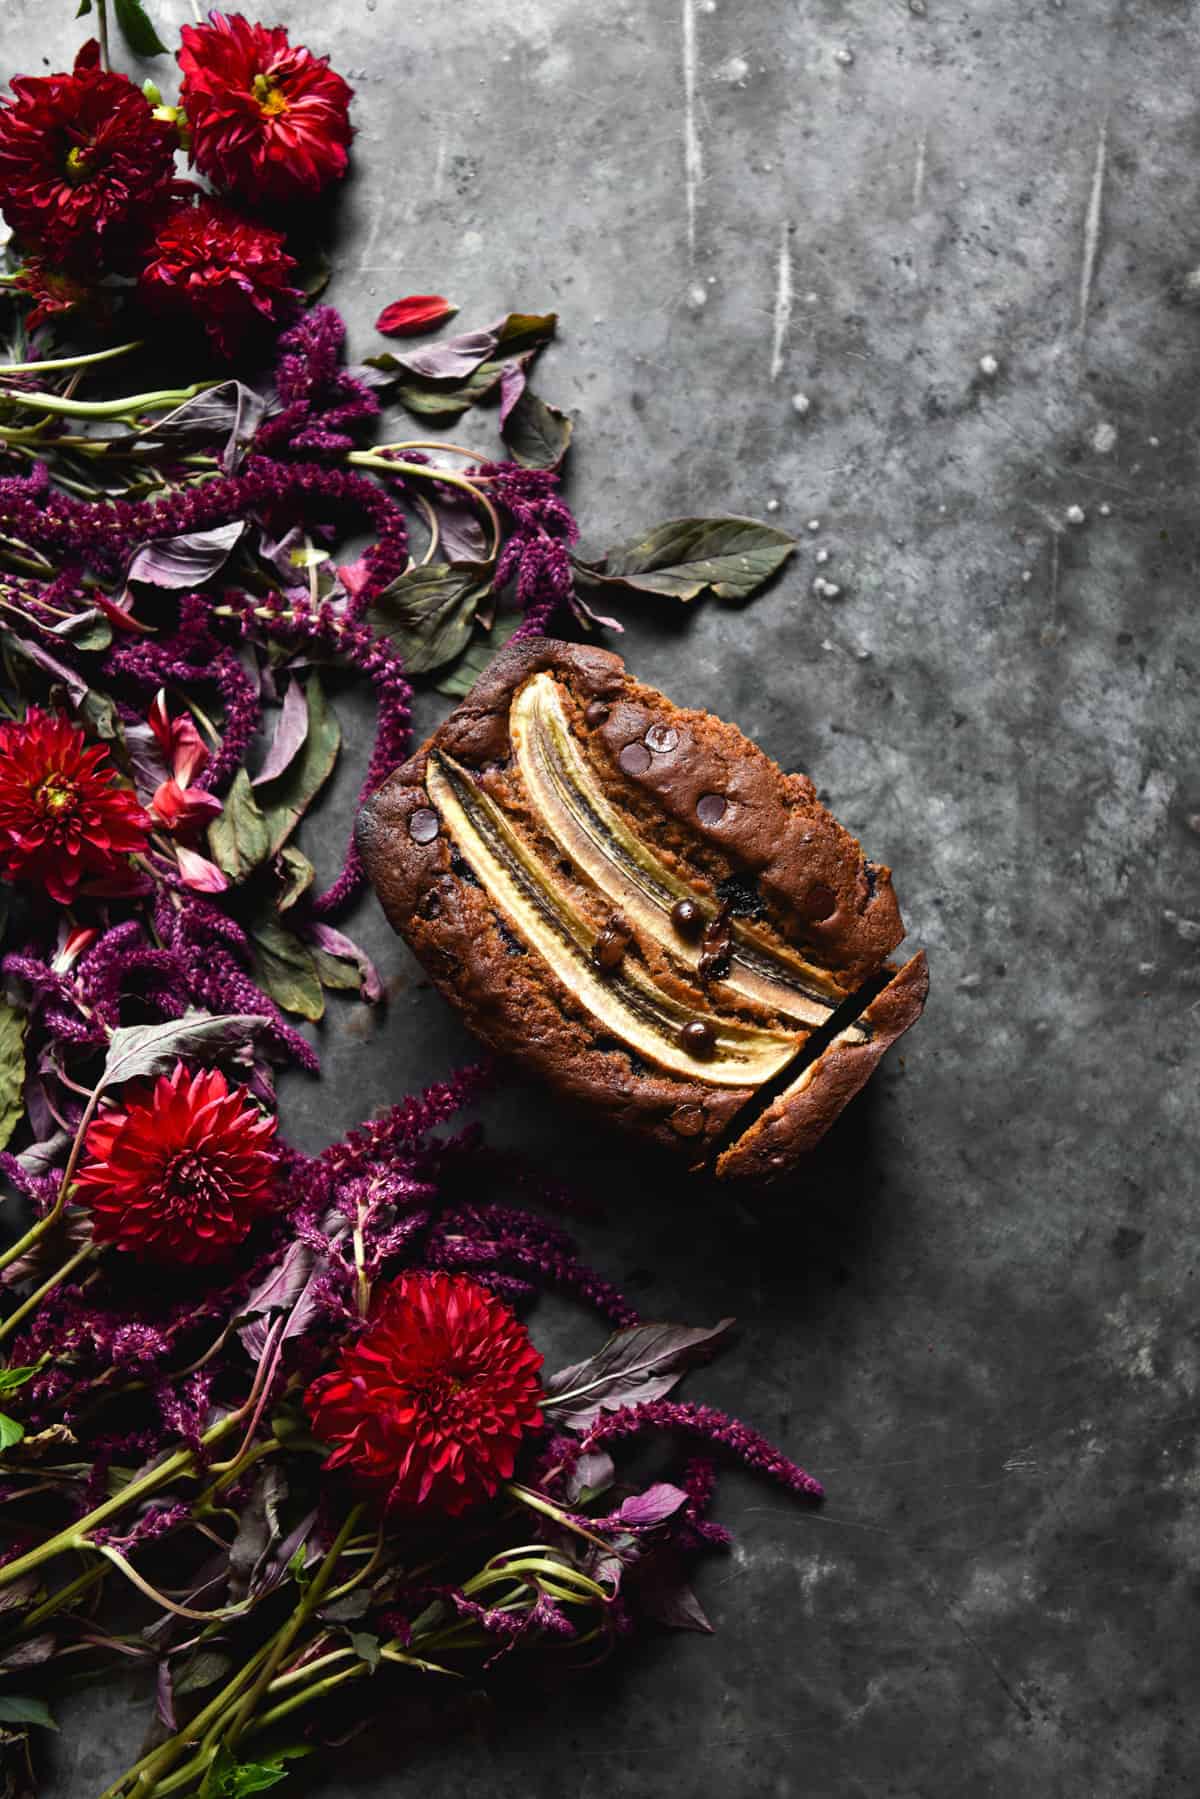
<point>711,1426</point>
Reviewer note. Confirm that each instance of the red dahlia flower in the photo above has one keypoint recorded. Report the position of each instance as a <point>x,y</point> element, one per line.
<point>53,291</point>
<point>180,1169</point>
<point>63,819</point>
<point>269,120</point>
<point>230,276</point>
<point>84,163</point>
<point>428,1407</point>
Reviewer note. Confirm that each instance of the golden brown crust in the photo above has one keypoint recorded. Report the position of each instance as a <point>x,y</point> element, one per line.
<point>796,1121</point>
<point>819,892</point>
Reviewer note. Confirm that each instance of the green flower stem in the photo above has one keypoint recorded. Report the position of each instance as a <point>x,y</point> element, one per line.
<point>75,1536</point>
<point>57,1601</point>
<point>127,407</point>
<point>35,1299</point>
<point>309,1602</point>
<point>69,362</point>
<point>372,460</point>
<point>37,1231</point>
<point>102,31</point>
<point>142,1777</point>
<point>537,1502</point>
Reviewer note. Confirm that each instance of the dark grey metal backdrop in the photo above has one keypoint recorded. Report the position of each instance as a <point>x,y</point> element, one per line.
<point>977,1317</point>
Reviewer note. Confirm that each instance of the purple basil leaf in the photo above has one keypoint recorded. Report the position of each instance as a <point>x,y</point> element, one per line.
<point>75,684</point>
<point>284,1284</point>
<point>41,1157</point>
<point>641,1362</point>
<point>657,1503</point>
<point>512,384</point>
<point>289,736</point>
<point>231,410</point>
<point>164,1697</point>
<point>336,943</point>
<point>138,1050</point>
<point>186,561</point>
<point>147,763</point>
<point>461,536</point>
<point>663,1594</point>
<point>452,360</point>
<point>593,1473</point>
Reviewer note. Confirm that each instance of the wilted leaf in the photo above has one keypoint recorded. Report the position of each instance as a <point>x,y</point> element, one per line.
<point>663,1593</point>
<point>461,536</point>
<point>538,435</point>
<point>12,1070</point>
<point>76,686</point>
<point>137,1051</point>
<point>188,560</point>
<point>366,1647</point>
<point>341,963</point>
<point>287,798</point>
<point>285,969</point>
<point>447,399</point>
<point>414,314</point>
<point>290,732</point>
<point>238,837</point>
<point>297,874</point>
<point>137,29</point>
<point>10,1432</point>
<point>88,630</point>
<point>428,612</point>
<point>521,334</point>
<point>14,1709</point>
<point>729,557</point>
<point>204,1669</point>
<point>641,1362</point>
<point>451,361</point>
<point>460,679</point>
<point>283,1285</point>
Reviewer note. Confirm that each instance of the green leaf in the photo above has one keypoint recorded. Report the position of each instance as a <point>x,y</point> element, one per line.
<point>439,400</point>
<point>428,612</point>
<point>16,1710</point>
<point>538,435</point>
<point>460,679</point>
<point>285,968</point>
<point>99,717</point>
<point>227,1778</point>
<point>523,331</point>
<point>10,1432</point>
<point>12,1069</point>
<point>336,972</point>
<point>12,1378</point>
<point>297,874</point>
<point>239,837</point>
<point>137,30</point>
<point>286,799</point>
<point>85,7</point>
<point>729,557</point>
<point>366,1647</point>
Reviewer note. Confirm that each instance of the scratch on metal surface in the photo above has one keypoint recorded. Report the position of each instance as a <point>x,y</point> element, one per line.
<point>693,162</point>
<point>783,300</point>
<point>439,167</point>
<point>918,187</point>
<point>1091,227</point>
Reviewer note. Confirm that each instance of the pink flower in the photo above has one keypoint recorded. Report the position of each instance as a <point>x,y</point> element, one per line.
<point>198,873</point>
<point>183,810</point>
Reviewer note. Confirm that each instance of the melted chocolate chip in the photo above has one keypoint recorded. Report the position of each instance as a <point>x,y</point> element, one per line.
<point>716,947</point>
<point>872,874</point>
<point>634,759</point>
<point>698,1037</point>
<point>596,714</point>
<point>662,739</point>
<point>431,905</point>
<point>687,918</point>
<point>819,902</point>
<point>512,943</point>
<point>464,871</point>
<point>741,896</point>
<point>424,825</point>
<point>710,808</point>
<point>608,951</point>
<point>686,1121</point>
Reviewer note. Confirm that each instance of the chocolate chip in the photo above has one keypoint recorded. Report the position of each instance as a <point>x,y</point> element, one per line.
<point>608,951</point>
<point>687,918</point>
<point>698,1037</point>
<point>716,947</point>
<point>596,714</point>
<point>819,902</point>
<point>424,825</point>
<point>634,759</point>
<point>431,905</point>
<point>662,739</point>
<point>741,896</point>
<point>686,1121</point>
<point>710,808</point>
